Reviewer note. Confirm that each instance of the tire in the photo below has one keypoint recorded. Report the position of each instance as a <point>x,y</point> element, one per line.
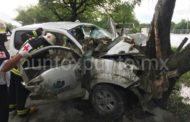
<point>108,101</point>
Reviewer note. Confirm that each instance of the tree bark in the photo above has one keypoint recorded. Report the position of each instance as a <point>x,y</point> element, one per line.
<point>159,36</point>
<point>158,44</point>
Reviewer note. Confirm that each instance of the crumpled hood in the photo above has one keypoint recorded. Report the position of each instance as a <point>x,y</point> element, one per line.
<point>122,48</point>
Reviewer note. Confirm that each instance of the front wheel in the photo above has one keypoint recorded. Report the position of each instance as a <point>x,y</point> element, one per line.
<point>108,101</point>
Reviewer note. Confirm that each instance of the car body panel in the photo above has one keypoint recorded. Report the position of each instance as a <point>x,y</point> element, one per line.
<point>112,72</point>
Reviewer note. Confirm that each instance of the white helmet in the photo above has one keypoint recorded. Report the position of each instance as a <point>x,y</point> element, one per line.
<point>50,38</point>
<point>2,27</point>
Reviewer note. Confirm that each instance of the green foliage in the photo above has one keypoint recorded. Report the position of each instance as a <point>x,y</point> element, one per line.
<point>67,10</point>
<point>185,78</point>
<point>10,26</point>
<point>173,25</point>
<point>174,49</point>
<point>145,25</point>
<point>122,14</point>
<point>182,24</point>
<point>83,10</point>
<point>35,14</point>
<point>182,27</point>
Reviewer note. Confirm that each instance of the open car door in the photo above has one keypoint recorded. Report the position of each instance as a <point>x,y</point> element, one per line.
<point>50,71</point>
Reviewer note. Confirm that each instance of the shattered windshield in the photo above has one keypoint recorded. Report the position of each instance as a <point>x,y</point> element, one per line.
<point>98,33</point>
<point>84,31</point>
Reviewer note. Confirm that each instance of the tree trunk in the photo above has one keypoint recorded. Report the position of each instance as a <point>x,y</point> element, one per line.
<point>159,36</point>
<point>158,44</point>
<point>74,15</point>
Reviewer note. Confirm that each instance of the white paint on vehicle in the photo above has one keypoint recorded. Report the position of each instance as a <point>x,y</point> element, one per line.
<point>122,47</point>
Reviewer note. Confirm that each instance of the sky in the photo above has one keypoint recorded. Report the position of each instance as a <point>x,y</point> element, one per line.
<point>143,13</point>
<point>8,9</point>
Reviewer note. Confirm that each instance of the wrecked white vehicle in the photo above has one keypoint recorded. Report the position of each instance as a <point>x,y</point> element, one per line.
<point>80,67</point>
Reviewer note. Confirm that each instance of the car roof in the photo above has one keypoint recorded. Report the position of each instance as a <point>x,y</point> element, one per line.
<point>56,25</point>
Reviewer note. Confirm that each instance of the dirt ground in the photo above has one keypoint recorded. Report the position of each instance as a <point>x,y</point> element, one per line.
<point>81,111</point>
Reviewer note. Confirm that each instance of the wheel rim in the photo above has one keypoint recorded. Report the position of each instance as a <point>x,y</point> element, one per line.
<point>105,101</point>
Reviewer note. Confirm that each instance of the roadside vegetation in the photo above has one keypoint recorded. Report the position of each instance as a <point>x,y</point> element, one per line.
<point>175,103</point>
<point>182,27</point>
<point>93,11</point>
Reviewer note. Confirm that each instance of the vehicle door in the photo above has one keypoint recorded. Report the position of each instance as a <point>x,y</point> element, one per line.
<point>51,70</point>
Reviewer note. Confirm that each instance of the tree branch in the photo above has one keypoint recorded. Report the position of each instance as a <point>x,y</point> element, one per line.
<point>56,13</point>
<point>81,3</point>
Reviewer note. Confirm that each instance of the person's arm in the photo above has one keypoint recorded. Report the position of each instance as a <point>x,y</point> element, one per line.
<point>9,64</point>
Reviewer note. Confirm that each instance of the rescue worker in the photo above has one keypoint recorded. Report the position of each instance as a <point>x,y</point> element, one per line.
<point>31,45</point>
<point>4,76</point>
<point>31,35</point>
<point>17,92</point>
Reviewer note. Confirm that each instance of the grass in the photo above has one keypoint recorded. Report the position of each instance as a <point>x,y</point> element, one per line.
<point>174,49</point>
<point>175,104</point>
<point>185,78</point>
<point>180,109</point>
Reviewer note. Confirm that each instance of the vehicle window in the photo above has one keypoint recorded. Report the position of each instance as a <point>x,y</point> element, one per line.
<point>17,38</point>
<point>78,34</point>
<point>83,32</point>
<point>63,40</point>
<point>87,31</point>
<point>95,32</point>
<point>90,36</point>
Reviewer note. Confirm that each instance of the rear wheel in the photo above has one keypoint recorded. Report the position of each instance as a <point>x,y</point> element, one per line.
<point>108,101</point>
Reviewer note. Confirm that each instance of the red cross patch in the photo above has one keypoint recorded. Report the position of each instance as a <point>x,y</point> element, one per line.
<point>2,54</point>
<point>26,48</point>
